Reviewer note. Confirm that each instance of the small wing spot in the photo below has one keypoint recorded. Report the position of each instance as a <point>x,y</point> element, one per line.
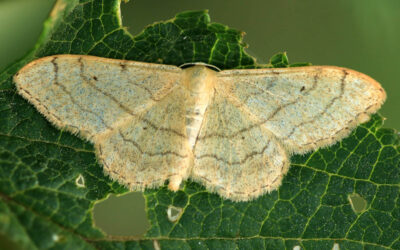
<point>302,89</point>
<point>174,213</point>
<point>80,181</point>
<point>95,78</point>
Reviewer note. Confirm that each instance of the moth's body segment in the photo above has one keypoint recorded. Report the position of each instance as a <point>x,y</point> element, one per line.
<point>200,82</point>
<point>233,131</point>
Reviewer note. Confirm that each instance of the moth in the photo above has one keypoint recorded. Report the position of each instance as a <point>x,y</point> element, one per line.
<point>233,131</point>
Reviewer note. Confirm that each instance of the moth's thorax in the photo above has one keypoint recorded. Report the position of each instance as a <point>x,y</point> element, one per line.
<point>200,81</point>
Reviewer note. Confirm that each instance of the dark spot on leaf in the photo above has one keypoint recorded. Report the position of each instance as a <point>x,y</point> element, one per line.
<point>144,128</point>
<point>95,78</point>
<point>302,89</point>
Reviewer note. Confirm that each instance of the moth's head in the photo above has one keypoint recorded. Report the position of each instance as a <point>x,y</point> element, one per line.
<point>199,77</point>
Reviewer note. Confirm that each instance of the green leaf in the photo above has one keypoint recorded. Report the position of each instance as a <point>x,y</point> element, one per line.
<point>42,207</point>
<point>279,60</point>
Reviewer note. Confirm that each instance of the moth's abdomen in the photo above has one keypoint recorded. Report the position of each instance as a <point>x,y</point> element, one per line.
<point>194,118</point>
<point>200,83</point>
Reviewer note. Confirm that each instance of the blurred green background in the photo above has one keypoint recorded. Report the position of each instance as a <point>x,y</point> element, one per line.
<point>360,34</point>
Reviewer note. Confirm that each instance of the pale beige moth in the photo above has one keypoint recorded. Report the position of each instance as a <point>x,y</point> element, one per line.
<point>233,131</point>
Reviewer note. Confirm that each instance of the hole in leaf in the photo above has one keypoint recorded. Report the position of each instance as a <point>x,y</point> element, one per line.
<point>80,181</point>
<point>296,248</point>
<point>156,245</point>
<point>122,215</point>
<point>335,246</point>
<point>55,237</point>
<point>358,203</point>
<point>174,213</point>
<point>58,238</point>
